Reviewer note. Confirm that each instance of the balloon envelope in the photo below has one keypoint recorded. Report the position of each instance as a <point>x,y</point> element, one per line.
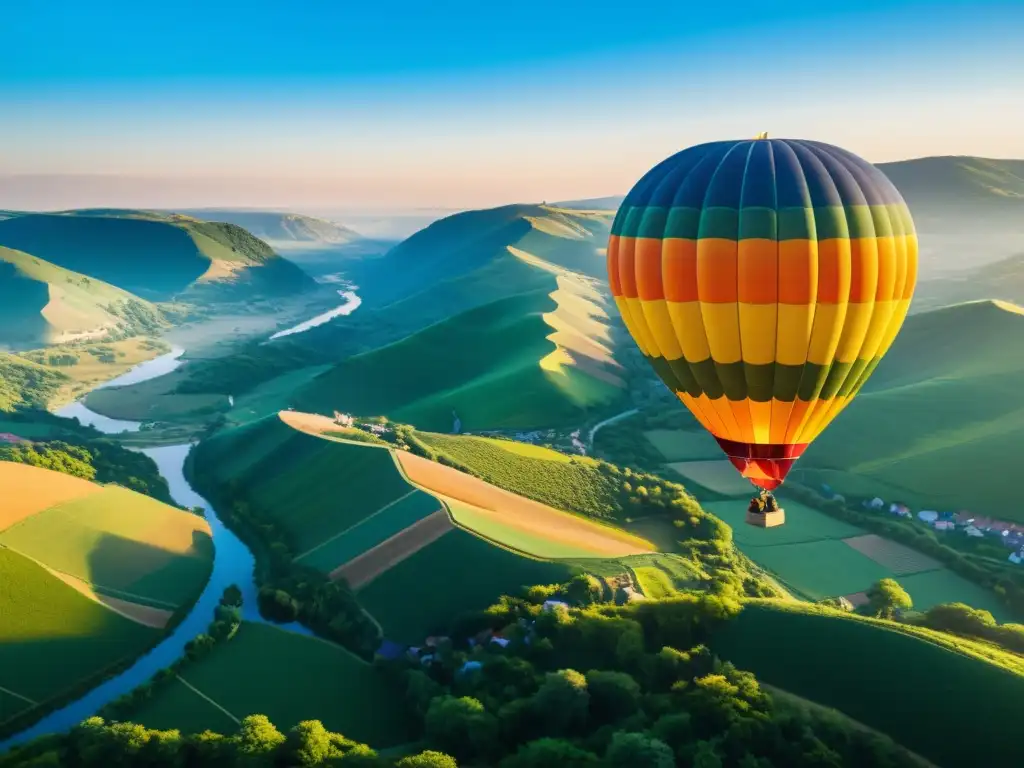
<point>763,280</point>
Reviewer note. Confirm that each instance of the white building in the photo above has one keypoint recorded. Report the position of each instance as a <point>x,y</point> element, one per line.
<point>928,515</point>
<point>1017,557</point>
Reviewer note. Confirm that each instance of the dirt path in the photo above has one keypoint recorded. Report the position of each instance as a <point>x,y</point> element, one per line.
<point>372,563</point>
<point>156,618</point>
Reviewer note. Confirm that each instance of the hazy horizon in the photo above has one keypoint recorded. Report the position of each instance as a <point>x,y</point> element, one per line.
<point>327,107</point>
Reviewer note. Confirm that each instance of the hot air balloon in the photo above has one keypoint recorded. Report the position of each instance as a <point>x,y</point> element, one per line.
<point>763,280</point>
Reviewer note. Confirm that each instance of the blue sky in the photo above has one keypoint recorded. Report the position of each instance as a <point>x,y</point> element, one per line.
<point>477,103</point>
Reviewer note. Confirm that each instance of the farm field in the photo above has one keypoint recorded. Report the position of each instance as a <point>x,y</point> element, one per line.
<point>820,569</point>
<point>390,520</point>
<point>518,522</point>
<point>121,543</point>
<point>680,445</point>
<point>875,673</point>
<point>820,556</point>
<point>28,490</point>
<point>362,570</point>
<point>457,573</point>
<point>577,485</point>
<point>315,488</point>
<point>802,524</point>
<point>45,619</point>
<point>257,673</point>
<point>718,476</point>
<point>271,396</point>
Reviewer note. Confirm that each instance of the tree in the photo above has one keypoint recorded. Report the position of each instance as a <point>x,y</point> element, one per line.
<point>460,726</point>
<point>550,753</point>
<point>428,759</point>
<point>886,599</point>
<point>256,741</point>
<point>614,696</point>
<point>635,750</point>
<point>563,701</point>
<point>308,744</point>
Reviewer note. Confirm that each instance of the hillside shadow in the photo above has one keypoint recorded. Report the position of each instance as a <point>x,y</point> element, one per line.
<point>148,572</point>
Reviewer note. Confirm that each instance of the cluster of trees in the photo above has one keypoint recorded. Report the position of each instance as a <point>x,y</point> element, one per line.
<point>96,743</point>
<point>288,590</point>
<point>24,385</point>
<point>227,618</point>
<point>960,619</point>
<point>1007,583</point>
<point>634,686</point>
<point>103,461</point>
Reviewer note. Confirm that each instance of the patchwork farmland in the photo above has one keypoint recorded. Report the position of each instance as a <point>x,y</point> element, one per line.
<point>399,524</point>
<point>91,576</point>
<point>817,556</point>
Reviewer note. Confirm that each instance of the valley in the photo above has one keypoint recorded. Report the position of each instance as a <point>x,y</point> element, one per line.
<point>382,466</point>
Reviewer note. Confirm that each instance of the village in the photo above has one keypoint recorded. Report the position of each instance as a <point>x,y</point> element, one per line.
<point>965,523</point>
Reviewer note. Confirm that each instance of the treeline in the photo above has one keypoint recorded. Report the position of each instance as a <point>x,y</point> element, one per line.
<point>1007,584</point>
<point>96,743</point>
<point>629,687</point>
<point>102,461</point>
<point>288,590</point>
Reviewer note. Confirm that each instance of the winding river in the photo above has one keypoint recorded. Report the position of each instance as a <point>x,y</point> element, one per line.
<point>233,562</point>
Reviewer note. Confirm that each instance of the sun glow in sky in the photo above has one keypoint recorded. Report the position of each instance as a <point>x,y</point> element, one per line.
<point>468,104</point>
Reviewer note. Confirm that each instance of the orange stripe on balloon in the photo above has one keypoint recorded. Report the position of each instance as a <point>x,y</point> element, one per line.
<point>758,271</point>
<point>716,270</point>
<point>613,266</point>
<point>679,269</point>
<point>648,269</point>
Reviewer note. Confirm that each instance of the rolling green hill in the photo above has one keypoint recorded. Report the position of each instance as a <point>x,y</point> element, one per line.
<point>42,304</point>
<point>534,360</point>
<point>157,256</point>
<point>459,245</point>
<point>904,681</point>
<point>942,417</point>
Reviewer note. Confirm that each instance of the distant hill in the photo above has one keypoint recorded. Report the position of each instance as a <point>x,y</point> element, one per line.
<point>611,203</point>
<point>42,304</point>
<point>279,226</point>
<point>459,245</point>
<point>1002,279</point>
<point>941,421</point>
<point>158,257</point>
<point>538,359</point>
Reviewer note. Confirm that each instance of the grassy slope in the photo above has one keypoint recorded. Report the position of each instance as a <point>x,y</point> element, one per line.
<point>898,680</point>
<point>121,542</point>
<point>27,384</point>
<point>460,244</point>
<point>154,256</point>
<point>942,417</point>
<point>459,572</point>
<point>495,366</point>
<point>43,304</point>
<point>289,678</point>
<point>314,488</point>
<point>46,621</point>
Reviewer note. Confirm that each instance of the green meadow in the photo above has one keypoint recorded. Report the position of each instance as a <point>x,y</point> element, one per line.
<point>53,639</point>
<point>288,677</point>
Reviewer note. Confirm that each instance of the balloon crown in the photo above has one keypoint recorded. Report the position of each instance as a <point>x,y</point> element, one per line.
<point>761,135</point>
